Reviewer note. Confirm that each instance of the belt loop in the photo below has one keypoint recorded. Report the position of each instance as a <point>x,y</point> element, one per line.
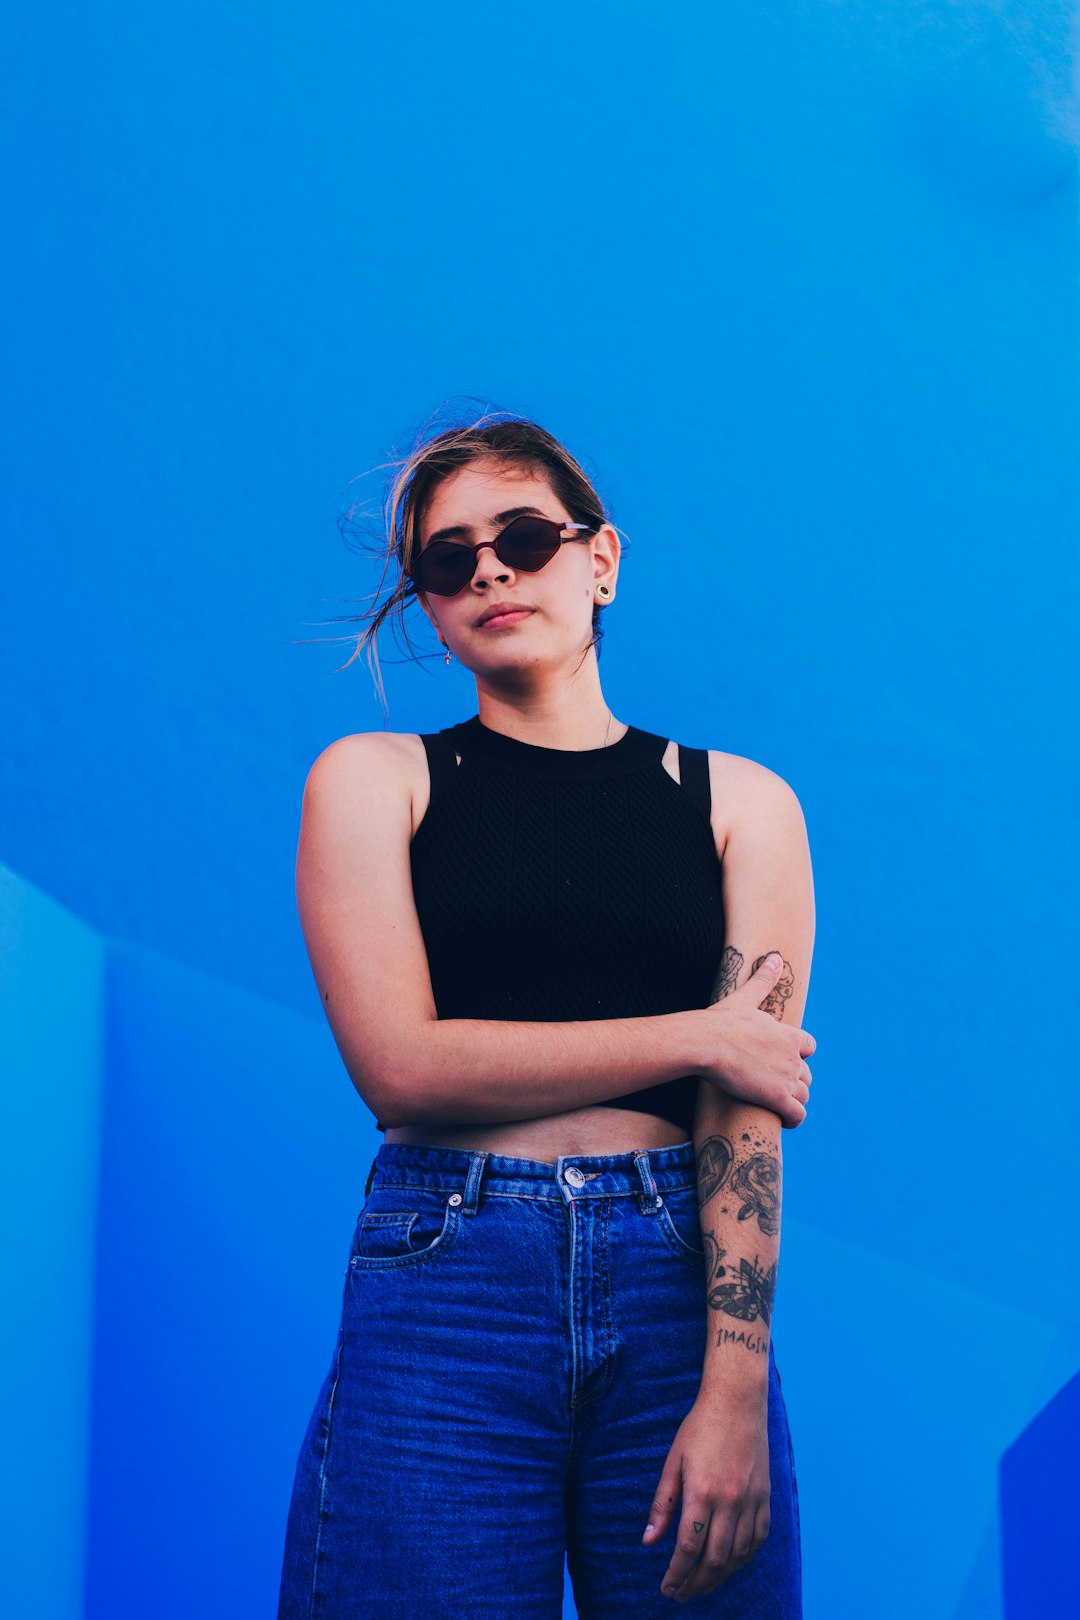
<point>478,1161</point>
<point>647,1197</point>
<point>371,1178</point>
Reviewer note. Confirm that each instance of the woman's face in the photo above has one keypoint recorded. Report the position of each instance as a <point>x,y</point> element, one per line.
<point>557,601</point>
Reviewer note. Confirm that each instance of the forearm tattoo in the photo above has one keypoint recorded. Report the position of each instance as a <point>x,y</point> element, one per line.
<point>727,977</point>
<point>714,1160</point>
<point>745,1291</point>
<point>730,962</point>
<point>750,1176</point>
<point>757,1183</point>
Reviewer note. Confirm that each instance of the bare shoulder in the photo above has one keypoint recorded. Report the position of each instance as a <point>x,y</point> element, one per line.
<point>747,792</point>
<point>363,754</point>
<point>368,765</point>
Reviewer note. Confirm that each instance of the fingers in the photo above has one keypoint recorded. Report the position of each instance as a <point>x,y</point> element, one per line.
<point>700,1530</point>
<point>732,1540</point>
<point>792,1113</point>
<point>663,1505</point>
<point>743,1542</point>
<point>807,1044</point>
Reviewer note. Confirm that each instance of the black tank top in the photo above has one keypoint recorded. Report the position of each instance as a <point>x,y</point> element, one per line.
<point>556,885</point>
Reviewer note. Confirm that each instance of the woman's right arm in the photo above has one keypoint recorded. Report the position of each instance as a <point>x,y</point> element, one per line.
<point>355,899</point>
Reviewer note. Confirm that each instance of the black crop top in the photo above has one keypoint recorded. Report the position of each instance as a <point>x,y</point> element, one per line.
<point>555,885</point>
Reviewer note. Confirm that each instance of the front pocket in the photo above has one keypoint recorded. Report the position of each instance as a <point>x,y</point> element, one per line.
<point>401,1226</point>
<point>680,1223</point>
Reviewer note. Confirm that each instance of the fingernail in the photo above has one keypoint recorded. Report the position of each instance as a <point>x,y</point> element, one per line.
<point>772,960</point>
<point>650,1529</point>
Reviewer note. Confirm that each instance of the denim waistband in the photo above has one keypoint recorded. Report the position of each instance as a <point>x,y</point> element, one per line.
<point>644,1173</point>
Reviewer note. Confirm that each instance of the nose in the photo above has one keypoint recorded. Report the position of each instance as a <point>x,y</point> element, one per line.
<point>489,565</point>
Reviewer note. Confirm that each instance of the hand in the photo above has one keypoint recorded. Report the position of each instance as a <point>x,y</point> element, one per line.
<point>719,1464</point>
<point>757,1059</point>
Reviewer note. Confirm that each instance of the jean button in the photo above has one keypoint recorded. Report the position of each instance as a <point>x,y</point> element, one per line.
<point>455,1198</point>
<point>574,1176</point>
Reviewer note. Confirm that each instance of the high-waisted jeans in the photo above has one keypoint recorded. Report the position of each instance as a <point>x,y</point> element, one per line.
<point>519,1343</point>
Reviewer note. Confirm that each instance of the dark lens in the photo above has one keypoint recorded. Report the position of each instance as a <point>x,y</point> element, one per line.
<point>528,543</point>
<point>443,568</point>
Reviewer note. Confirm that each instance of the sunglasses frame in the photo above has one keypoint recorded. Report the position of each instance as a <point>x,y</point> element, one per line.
<point>565,532</point>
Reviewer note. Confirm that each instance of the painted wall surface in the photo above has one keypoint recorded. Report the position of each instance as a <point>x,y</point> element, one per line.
<point>797,282</point>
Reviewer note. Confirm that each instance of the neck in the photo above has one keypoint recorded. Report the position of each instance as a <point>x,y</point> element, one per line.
<point>555,720</point>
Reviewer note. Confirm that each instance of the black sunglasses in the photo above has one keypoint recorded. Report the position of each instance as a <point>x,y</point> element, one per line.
<point>444,568</point>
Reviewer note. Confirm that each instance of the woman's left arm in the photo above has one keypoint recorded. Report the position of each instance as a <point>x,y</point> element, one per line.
<point>719,1462</point>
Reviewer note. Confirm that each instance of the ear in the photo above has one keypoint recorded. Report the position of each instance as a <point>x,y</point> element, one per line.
<point>606,552</point>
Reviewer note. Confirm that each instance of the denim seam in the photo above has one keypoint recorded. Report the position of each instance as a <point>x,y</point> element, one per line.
<point>794,1492</point>
<point>324,1464</point>
<point>604,1271</point>
<point>572,1301</point>
<point>609,1312</point>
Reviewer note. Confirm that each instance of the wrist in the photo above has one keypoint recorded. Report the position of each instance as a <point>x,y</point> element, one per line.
<point>740,1381</point>
<point>709,1044</point>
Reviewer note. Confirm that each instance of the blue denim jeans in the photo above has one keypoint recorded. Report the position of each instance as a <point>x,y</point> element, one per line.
<point>519,1343</point>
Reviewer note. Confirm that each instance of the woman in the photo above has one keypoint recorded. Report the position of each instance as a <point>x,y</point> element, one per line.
<point>540,937</point>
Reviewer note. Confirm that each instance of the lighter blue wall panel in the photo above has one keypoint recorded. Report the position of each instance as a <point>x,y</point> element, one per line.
<point>51,978</point>
<point>235,1153</point>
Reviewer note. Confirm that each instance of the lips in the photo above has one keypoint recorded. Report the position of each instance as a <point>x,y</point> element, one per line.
<point>504,614</point>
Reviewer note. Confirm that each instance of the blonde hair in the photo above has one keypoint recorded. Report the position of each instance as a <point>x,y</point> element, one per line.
<point>494,435</point>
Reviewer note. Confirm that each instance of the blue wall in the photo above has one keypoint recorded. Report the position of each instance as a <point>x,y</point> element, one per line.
<point>798,284</point>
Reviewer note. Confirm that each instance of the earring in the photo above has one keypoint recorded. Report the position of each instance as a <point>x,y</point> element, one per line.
<point>604,591</point>
<point>446,660</point>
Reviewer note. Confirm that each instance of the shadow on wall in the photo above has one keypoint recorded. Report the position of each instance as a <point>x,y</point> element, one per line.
<point>1040,1513</point>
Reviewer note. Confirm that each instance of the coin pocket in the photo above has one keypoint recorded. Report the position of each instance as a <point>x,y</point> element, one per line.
<point>396,1228</point>
<point>680,1222</point>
